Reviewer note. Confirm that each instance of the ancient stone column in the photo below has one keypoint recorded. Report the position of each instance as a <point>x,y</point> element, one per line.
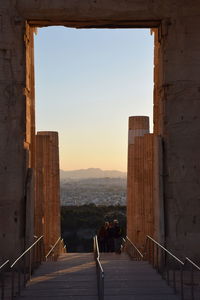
<point>47,207</point>
<point>42,148</point>
<point>138,126</point>
<point>145,195</point>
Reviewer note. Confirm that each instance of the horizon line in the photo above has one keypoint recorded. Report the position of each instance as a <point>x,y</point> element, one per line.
<point>94,169</point>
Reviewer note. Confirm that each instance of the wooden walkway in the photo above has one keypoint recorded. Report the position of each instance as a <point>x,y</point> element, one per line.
<point>73,277</point>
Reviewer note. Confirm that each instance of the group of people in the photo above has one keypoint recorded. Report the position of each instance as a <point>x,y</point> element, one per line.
<point>110,237</point>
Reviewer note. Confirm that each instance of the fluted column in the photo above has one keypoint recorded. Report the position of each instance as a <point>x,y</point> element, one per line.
<point>145,201</point>
<point>47,208</point>
<point>138,127</point>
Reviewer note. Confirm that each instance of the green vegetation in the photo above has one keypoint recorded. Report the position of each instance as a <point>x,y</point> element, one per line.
<point>80,223</point>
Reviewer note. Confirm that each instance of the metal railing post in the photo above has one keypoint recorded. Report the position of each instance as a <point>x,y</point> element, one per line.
<point>193,266</point>
<point>99,270</point>
<point>2,287</point>
<point>30,263</point>
<point>161,259</point>
<point>153,255</point>
<point>19,280</point>
<point>3,269</point>
<point>54,252</point>
<point>24,269</point>
<point>192,283</point>
<point>181,279</point>
<point>167,274</point>
<point>174,280</point>
<point>157,263</point>
<point>12,284</point>
<point>132,250</point>
<point>21,265</point>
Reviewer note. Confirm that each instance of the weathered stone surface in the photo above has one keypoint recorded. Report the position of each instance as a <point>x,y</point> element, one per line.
<point>47,203</point>
<point>145,211</point>
<point>14,147</point>
<point>41,199</point>
<point>144,206</point>
<point>138,127</point>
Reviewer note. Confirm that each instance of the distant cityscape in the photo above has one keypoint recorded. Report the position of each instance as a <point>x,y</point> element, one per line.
<point>82,187</point>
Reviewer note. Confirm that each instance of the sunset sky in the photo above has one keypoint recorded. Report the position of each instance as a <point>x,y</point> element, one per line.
<point>88,82</point>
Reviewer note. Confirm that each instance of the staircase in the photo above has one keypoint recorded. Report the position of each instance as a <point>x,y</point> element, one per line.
<point>72,276</point>
<point>126,279</point>
<point>91,276</point>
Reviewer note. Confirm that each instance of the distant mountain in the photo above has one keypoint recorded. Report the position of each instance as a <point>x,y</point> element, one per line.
<point>90,173</point>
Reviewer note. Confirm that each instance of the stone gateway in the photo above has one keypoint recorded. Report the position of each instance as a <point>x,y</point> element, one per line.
<point>176,26</point>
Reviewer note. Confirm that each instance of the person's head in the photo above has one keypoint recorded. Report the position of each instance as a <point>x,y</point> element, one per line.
<point>111,224</point>
<point>106,224</point>
<point>116,222</point>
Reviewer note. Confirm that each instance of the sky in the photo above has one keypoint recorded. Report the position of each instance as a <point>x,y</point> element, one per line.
<point>88,82</point>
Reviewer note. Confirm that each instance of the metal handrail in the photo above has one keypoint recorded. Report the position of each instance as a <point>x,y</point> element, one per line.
<point>26,266</point>
<point>187,259</point>
<point>100,266</point>
<point>99,269</point>
<point>157,255</point>
<point>193,266</point>
<point>141,256</point>
<point>98,254</point>
<point>167,251</point>
<point>182,268</point>
<point>152,252</point>
<point>51,251</point>
<point>3,267</point>
<point>54,254</point>
<point>25,252</point>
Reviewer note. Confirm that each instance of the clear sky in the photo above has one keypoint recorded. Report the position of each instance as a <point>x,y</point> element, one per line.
<point>88,82</point>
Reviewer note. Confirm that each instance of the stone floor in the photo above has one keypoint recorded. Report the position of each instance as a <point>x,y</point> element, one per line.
<point>133,280</point>
<point>73,277</point>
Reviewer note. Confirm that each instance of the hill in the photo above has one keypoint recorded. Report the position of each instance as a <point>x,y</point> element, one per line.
<point>90,173</point>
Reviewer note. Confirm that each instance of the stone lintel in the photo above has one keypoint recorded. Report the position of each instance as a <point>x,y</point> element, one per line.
<point>92,12</point>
